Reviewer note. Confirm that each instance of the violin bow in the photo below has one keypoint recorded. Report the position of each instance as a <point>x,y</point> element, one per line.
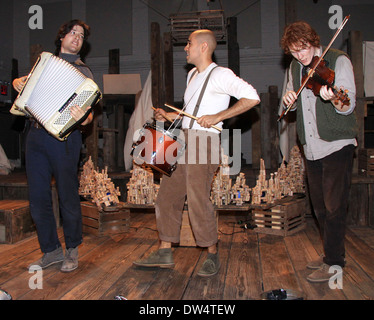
<point>311,72</point>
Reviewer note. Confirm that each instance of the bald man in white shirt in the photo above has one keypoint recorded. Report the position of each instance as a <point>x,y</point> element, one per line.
<point>193,177</point>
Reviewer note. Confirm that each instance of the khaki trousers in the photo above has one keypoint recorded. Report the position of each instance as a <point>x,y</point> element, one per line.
<point>191,179</point>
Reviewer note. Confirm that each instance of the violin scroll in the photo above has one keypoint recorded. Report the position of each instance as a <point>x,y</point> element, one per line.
<point>341,95</point>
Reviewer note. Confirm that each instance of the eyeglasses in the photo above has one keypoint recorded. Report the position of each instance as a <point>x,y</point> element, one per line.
<point>75,33</point>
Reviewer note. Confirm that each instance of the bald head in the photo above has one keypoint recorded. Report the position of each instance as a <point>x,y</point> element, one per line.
<point>208,37</point>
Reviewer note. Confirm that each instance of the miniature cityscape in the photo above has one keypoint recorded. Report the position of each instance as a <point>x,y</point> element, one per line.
<point>98,187</point>
<point>142,190</point>
<point>288,179</point>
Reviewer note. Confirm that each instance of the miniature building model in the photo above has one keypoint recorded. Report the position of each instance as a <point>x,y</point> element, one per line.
<point>240,191</point>
<point>285,182</point>
<point>141,188</point>
<point>223,192</point>
<point>260,191</point>
<point>221,186</point>
<point>97,186</point>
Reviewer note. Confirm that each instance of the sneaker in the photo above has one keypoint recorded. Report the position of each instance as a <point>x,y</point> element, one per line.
<point>71,260</point>
<point>49,259</point>
<point>162,258</point>
<point>210,266</point>
<point>316,264</point>
<point>320,275</point>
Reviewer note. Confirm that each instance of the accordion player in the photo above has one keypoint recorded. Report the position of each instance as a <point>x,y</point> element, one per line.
<point>52,87</point>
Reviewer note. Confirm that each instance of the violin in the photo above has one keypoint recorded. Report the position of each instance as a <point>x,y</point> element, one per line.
<point>324,76</point>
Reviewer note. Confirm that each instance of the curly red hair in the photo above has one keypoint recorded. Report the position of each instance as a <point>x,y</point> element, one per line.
<point>299,34</point>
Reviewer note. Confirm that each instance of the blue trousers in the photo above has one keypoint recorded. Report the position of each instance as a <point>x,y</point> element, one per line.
<point>46,157</point>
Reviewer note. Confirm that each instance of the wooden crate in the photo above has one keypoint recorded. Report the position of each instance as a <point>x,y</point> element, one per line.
<point>184,23</point>
<point>100,222</point>
<point>366,162</point>
<point>15,221</point>
<point>283,219</point>
<point>361,202</point>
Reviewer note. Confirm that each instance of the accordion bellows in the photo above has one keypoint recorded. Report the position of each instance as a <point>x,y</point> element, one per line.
<point>52,88</point>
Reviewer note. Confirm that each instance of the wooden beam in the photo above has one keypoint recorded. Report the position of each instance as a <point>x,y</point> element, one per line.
<point>269,128</point>
<point>168,70</point>
<point>255,114</point>
<point>356,54</point>
<point>233,46</point>
<point>156,65</point>
<point>114,65</point>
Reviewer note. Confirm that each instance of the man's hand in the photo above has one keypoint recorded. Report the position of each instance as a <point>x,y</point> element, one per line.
<point>160,114</point>
<point>327,94</point>
<point>289,98</point>
<point>208,120</point>
<point>19,83</point>
<point>77,113</point>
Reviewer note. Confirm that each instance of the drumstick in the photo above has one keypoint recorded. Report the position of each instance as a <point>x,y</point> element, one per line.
<point>189,115</point>
<point>167,118</point>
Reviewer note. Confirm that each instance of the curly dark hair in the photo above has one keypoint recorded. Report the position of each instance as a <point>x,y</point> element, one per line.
<point>66,28</point>
<point>299,33</point>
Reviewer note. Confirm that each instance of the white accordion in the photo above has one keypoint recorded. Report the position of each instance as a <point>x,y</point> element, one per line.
<point>51,89</point>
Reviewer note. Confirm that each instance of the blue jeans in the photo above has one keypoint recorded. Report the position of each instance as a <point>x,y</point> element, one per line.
<point>329,181</point>
<point>46,157</point>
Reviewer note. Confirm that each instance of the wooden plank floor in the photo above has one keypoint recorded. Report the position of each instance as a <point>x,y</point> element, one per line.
<point>251,263</point>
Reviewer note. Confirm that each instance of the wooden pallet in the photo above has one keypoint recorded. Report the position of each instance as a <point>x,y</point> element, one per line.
<point>15,221</point>
<point>99,222</point>
<point>283,219</point>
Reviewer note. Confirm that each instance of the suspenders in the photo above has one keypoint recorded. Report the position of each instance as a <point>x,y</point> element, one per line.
<point>201,95</point>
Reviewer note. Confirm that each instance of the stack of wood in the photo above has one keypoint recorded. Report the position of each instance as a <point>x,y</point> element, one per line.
<point>221,186</point>
<point>141,188</point>
<point>98,187</point>
<point>289,179</point>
